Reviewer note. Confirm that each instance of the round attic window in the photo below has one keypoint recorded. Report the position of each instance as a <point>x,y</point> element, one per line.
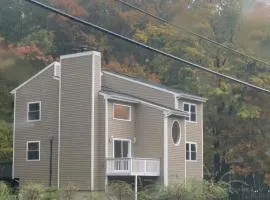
<point>176,132</point>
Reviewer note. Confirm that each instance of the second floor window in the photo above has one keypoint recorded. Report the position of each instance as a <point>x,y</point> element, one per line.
<point>191,109</point>
<point>191,151</point>
<point>33,111</point>
<point>122,112</point>
<point>33,150</point>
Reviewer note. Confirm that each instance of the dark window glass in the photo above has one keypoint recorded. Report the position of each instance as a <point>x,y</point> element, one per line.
<point>33,155</point>
<point>192,108</point>
<point>193,155</point>
<point>176,132</point>
<point>193,147</point>
<point>33,146</point>
<point>33,106</point>
<point>193,117</point>
<point>187,155</point>
<point>186,107</point>
<point>33,151</point>
<point>117,149</point>
<point>34,111</point>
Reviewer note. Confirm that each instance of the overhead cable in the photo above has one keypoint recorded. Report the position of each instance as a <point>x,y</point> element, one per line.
<point>101,29</point>
<point>192,32</point>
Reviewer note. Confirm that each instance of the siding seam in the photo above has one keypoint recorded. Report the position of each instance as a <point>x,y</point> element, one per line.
<point>14,124</point>
<point>59,129</point>
<point>165,168</point>
<point>92,122</point>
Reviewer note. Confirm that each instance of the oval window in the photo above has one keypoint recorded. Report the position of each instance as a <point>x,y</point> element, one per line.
<point>176,132</point>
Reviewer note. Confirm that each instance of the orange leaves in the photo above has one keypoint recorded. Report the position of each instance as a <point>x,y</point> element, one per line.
<point>31,52</point>
<point>153,77</point>
<point>70,6</point>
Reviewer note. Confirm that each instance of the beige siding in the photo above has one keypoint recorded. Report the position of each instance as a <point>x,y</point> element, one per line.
<point>176,153</point>
<point>100,148</point>
<point>138,90</point>
<point>119,128</point>
<point>45,89</point>
<point>194,133</point>
<point>76,112</point>
<point>149,134</point>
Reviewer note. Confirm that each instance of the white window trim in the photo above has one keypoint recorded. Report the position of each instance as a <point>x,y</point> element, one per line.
<point>28,103</point>
<point>191,104</point>
<point>130,110</point>
<point>180,134</point>
<point>190,152</point>
<point>27,150</point>
<point>129,148</point>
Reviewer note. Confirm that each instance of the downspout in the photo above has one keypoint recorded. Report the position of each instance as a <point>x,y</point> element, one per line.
<point>51,151</point>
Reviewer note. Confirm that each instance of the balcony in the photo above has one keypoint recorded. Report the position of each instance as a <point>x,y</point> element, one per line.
<point>132,167</point>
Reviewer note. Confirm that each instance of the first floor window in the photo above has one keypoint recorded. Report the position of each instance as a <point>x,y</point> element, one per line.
<point>33,111</point>
<point>33,150</point>
<point>191,151</point>
<point>191,109</point>
<point>121,112</point>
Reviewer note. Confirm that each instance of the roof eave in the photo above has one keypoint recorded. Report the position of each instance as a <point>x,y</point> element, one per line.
<point>31,78</point>
<point>192,97</point>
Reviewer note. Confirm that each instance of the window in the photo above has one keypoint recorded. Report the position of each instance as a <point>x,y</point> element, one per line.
<point>191,151</point>
<point>176,132</point>
<point>33,111</point>
<point>33,150</point>
<point>121,112</point>
<point>191,109</point>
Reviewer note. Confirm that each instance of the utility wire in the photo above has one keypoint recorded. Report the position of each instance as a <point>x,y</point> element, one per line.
<point>101,29</point>
<point>191,32</point>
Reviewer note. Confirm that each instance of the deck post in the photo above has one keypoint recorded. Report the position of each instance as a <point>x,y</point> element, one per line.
<point>136,187</point>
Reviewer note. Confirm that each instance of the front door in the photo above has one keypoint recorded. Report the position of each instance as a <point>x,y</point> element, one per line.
<point>122,154</point>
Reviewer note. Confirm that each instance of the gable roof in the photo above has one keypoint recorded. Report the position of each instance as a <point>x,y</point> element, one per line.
<point>34,76</point>
<point>179,94</point>
<point>117,96</point>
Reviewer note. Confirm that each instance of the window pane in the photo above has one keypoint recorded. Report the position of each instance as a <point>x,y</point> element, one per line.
<point>121,112</point>
<point>193,147</point>
<point>125,149</point>
<point>117,149</point>
<point>33,106</point>
<point>33,146</point>
<point>186,107</point>
<point>193,117</point>
<point>193,155</point>
<point>33,115</point>
<point>187,155</point>
<point>192,108</point>
<point>33,155</point>
<point>187,146</point>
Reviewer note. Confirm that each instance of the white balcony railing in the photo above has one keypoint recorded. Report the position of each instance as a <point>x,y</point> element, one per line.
<point>133,167</point>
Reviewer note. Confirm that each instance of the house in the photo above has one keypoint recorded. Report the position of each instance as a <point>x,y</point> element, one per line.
<point>75,123</point>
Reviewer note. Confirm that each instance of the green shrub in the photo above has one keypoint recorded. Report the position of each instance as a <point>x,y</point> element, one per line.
<point>191,190</point>
<point>5,192</point>
<point>32,191</point>
<point>68,192</point>
<point>119,190</point>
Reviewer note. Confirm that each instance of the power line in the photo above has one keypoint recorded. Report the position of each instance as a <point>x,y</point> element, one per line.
<point>191,32</point>
<point>101,29</point>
